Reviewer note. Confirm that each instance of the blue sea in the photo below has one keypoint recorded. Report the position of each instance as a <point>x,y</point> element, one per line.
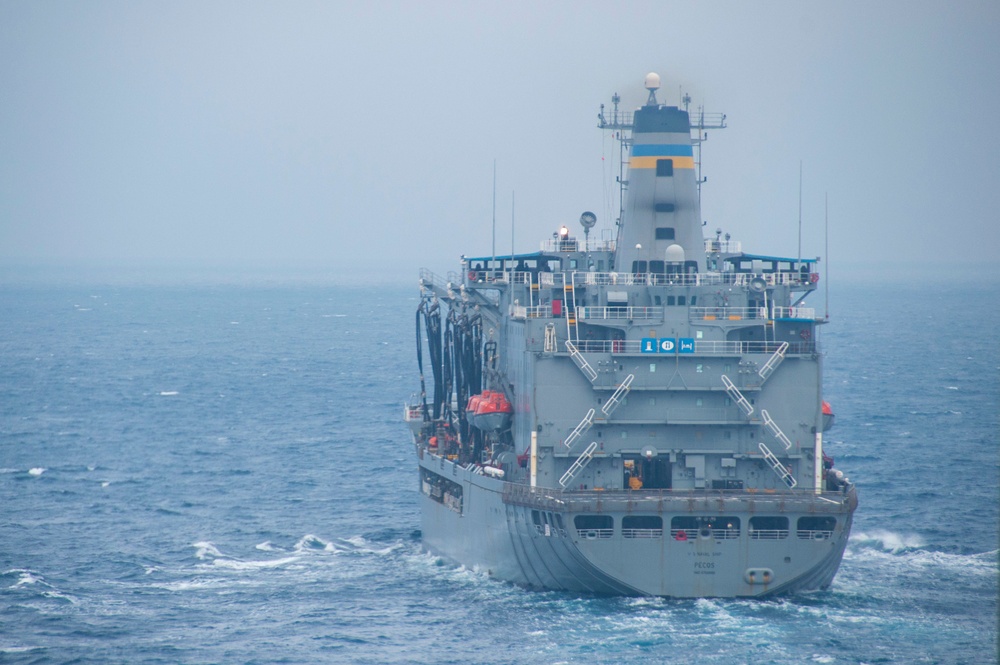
<point>216,471</point>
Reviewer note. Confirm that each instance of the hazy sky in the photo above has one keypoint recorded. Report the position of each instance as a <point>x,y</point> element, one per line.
<point>362,135</point>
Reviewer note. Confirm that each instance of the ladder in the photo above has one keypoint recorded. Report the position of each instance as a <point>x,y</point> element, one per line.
<point>773,361</point>
<point>569,302</point>
<point>777,466</point>
<point>615,400</point>
<point>578,465</point>
<point>580,430</point>
<point>550,338</point>
<point>580,361</point>
<point>737,396</point>
<point>775,430</point>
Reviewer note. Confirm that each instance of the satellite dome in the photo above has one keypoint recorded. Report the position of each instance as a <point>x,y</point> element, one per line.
<point>675,254</point>
<point>652,81</point>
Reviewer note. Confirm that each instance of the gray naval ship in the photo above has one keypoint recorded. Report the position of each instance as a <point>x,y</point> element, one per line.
<point>637,416</point>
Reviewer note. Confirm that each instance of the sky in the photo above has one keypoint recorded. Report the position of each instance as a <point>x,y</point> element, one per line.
<point>361,137</point>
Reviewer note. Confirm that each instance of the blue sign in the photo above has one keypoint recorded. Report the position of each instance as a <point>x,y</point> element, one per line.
<point>686,345</point>
<point>648,345</point>
<point>667,345</point>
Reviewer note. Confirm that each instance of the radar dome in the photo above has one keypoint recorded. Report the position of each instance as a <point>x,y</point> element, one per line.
<point>652,81</point>
<point>675,254</point>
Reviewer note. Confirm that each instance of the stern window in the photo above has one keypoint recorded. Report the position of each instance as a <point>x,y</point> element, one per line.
<point>816,528</point>
<point>768,528</point>
<point>594,526</point>
<point>664,168</point>
<point>642,526</point>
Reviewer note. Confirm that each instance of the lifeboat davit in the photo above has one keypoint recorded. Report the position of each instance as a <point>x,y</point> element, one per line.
<point>494,411</point>
<point>827,416</point>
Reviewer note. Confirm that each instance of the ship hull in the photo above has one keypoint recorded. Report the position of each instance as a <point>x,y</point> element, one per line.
<point>530,537</point>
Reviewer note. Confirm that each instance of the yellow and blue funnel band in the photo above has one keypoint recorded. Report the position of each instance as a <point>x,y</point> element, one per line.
<point>645,156</point>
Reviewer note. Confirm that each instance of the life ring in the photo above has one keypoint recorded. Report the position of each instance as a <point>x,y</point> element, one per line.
<point>805,334</point>
<point>472,275</point>
<point>813,277</point>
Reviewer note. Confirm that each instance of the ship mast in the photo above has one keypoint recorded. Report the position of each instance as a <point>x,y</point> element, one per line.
<point>621,122</point>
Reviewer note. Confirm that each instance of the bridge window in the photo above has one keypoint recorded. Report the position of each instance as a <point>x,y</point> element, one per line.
<point>664,168</point>
<point>656,267</point>
<point>664,207</point>
<point>664,233</point>
<point>639,267</point>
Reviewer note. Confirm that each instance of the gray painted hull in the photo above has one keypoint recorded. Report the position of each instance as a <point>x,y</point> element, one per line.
<point>494,532</point>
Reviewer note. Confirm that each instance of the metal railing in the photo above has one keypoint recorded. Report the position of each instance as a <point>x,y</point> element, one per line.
<point>553,498</point>
<point>693,534</point>
<point>633,313</point>
<point>768,534</point>
<point>499,277</point>
<point>537,312</point>
<point>701,347</point>
<point>755,313</point>
<point>723,246</point>
<point>691,278</point>
<point>594,534</point>
<point>814,534</point>
<point>574,245</point>
<point>642,533</point>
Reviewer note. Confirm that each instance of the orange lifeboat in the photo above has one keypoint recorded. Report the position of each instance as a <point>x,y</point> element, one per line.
<point>827,416</point>
<point>470,408</point>
<point>494,411</point>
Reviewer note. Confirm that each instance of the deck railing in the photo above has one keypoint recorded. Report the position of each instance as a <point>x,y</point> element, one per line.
<point>701,347</point>
<point>631,313</point>
<point>768,534</point>
<point>756,313</point>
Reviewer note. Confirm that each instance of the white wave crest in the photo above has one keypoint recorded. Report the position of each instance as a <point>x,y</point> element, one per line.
<point>206,550</point>
<point>236,564</point>
<point>311,542</point>
<point>889,541</point>
<point>36,471</point>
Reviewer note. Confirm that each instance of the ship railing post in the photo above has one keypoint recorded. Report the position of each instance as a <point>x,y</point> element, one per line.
<point>534,458</point>
<point>818,463</point>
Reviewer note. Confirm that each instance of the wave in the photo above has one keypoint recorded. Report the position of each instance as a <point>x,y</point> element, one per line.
<point>35,582</point>
<point>887,541</point>
<point>912,553</point>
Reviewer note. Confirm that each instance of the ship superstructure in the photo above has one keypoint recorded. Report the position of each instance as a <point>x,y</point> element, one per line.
<point>638,416</point>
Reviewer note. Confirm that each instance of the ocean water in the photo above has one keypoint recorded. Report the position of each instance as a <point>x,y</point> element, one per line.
<point>218,473</point>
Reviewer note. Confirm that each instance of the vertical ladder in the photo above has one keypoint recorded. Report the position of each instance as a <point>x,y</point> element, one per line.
<point>569,301</point>
<point>773,361</point>
<point>578,465</point>
<point>615,400</point>
<point>777,466</point>
<point>580,361</point>
<point>550,338</point>
<point>737,396</point>
<point>580,429</point>
<point>775,430</point>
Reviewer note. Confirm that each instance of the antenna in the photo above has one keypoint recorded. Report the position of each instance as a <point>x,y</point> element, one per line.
<point>494,264</point>
<point>826,250</point>
<point>800,211</point>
